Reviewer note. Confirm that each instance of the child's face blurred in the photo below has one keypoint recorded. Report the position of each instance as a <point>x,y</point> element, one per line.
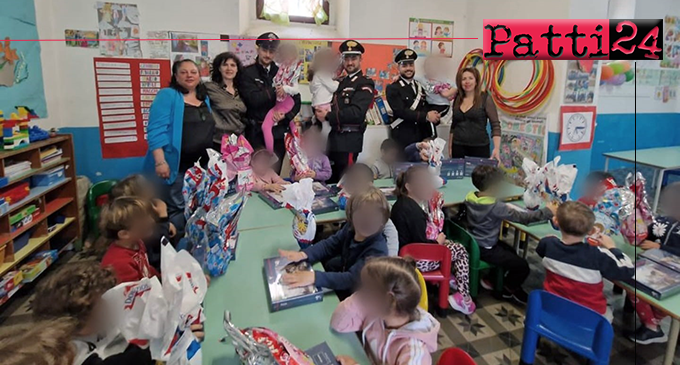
<point>354,185</point>
<point>311,142</point>
<point>373,298</point>
<point>98,320</point>
<point>141,229</point>
<point>368,220</point>
<point>390,156</point>
<point>260,163</point>
<point>421,187</point>
<point>288,53</point>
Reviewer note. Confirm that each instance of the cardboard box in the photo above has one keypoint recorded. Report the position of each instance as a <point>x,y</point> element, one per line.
<point>281,296</point>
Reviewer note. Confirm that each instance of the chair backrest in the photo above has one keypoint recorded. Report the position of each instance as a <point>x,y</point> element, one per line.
<point>459,234</point>
<point>94,203</point>
<point>545,307</point>
<point>455,356</point>
<point>423,292</point>
<point>430,252</point>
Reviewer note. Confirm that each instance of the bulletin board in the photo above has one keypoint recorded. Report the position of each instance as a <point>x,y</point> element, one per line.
<point>378,63</point>
<point>125,90</point>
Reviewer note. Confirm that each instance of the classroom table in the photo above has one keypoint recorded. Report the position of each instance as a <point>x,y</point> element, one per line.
<point>670,306</point>
<point>258,214</point>
<point>242,291</point>
<point>660,159</point>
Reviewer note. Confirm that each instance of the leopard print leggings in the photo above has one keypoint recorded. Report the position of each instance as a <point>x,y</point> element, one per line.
<point>460,266</point>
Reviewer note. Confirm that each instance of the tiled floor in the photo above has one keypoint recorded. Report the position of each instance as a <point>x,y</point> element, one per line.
<point>493,334</point>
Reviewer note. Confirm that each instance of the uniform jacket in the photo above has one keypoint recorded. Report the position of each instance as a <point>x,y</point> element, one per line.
<point>400,97</point>
<point>348,113</point>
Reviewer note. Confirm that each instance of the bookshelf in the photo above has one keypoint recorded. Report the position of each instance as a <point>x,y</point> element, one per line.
<point>55,225</point>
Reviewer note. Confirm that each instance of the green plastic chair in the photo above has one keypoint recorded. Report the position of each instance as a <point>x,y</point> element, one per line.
<point>93,209</point>
<point>456,233</point>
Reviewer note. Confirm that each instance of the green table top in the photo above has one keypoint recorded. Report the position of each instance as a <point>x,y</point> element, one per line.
<point>258,214</point>
<point>670,305</point>
<point>667,158</point>
<point>242,290</point>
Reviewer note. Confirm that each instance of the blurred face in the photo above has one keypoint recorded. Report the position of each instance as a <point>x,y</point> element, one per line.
<point>288,53</point>
<point>373,297</point>
<point>468,81</point>
<point>354,185</point>
<point>266,55</point>
<point>407,69</point>
<point>390,156</point>
<point>141,229</point>
<point>421,187</point>
<point>229,69</point>
<point>311,142</point>
<point>329,62</point>
<point>352,63</point>
<point>260,163</point>
<point>188,76</point>
<point>368,220</point>
<point>97,321</point>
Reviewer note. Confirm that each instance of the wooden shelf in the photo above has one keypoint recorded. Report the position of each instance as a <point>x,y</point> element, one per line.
<point>34,145</point>
<point>32,245</point>
<point>38,170</point>
<point>50,208</point>
<point>35,193</point>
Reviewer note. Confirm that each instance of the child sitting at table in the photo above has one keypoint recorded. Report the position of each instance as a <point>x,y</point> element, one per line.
<point>418,152</point>
<point>359,178</point>
<point>485,214</point>
<point>266,179</point>
<point>124,224</point>
<point>664,233</point>
<point>362,237</point>
<point>415,188</point>
<point>573,268</point>
<point>75,292</point>
<point>383,167</point>
<point>385,309</point>
<point>138,186</point>
<point>312,144</point>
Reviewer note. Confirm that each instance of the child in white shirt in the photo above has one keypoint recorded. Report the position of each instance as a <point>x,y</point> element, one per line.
<point>439,90</point>
<point>322,77</point>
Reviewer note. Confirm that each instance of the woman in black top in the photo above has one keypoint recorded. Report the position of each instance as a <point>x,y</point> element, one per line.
<point>415,187</point>
<point>471,110</point>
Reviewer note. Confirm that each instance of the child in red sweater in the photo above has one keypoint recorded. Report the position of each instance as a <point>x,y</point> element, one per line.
<point>125,223</point>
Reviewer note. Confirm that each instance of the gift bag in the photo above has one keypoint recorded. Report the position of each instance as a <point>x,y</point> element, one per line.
<point>435,216</point>
<point>636,215</point>
<point>607,210</point>
<point>299,198</point>
<point>298,159</point>
<point>193,189</point>
<point>559,179</point>
<point>237,152</point>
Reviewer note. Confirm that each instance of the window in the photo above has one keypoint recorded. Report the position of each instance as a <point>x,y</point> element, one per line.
<point>296,11</point>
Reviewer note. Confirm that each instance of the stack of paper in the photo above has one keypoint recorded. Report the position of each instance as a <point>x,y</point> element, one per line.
<point>50,154</point>
<point>17,168</point>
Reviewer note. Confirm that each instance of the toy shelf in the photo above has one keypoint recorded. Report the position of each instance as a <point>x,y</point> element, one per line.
<point>55,223</point>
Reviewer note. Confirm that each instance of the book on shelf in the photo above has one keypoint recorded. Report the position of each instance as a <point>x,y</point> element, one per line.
<point>50,154</point>
<point>17,168</point>
<point>655,279</point>
<point>282,296</point>
<point>321,354</point>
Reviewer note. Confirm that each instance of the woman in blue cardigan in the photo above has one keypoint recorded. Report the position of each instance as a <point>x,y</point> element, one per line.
<point>181,128</point>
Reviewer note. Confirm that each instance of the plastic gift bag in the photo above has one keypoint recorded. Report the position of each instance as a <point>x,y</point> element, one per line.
<point>636,215</point>
<point>435,216</point>
<point>195,185</point>
<point>559,179</point>
<point>607,210</point>
<point>298,159</point>
<point>435,152</point>
<point>534,181</point>
<point>299,197</point>
<point>237,152</point>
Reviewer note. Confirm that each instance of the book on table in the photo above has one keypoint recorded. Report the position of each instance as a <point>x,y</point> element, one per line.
<point>656,279</point>
<point>389,192</point>
<point>282,296</point>
<point>322,354</point>
<point>275,200</point>
<point>321,189</point>
<point>452,169</point>
<point>324,204</point>
<point>472,162</point>
<point>664,258</point>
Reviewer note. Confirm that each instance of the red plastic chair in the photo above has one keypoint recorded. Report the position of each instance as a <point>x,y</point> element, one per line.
<point>442,276</point>
<point>455,356</point>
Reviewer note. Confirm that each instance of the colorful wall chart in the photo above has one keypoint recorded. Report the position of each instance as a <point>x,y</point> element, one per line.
<point>378,63</point>
<point>671,42</point>
<point>119,30</point>
<point>307,49</point>
<point>430,28</point>
<point>522,136</point>
<point>580,85</point>
<point>125,89</point>
<point>21,80</point>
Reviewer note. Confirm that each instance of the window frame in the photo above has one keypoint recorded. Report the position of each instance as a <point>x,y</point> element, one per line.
<point>295,19</point>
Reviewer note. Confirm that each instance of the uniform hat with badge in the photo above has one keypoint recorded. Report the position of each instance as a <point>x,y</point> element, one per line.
<point>406,55</point>
<point>351,47</point>
<point>268,40</point>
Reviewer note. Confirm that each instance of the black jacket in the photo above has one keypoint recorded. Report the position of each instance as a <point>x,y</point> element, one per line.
<point>414,126</point>
<point>347,116</point>
<point>410,220</point>
<point>258,93</point>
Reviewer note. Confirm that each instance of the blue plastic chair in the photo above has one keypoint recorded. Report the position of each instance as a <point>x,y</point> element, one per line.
<point>570,325</point>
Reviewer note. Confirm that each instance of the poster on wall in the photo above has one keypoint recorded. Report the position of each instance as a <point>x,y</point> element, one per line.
<point>306,49</point>
<point>158,43</point>
<point>577,127</point>
<point>378,63</point>
<point>81,38</point>
<point>421,32</point>
<point>580,85</point>
<point>119,30</point>
<point>671,42</point>
<point>243,47</point>
<point>522,137</point>
<point>125,90</point>
<point>21,80</point>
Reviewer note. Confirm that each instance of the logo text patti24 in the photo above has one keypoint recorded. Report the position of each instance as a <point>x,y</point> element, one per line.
<point>570,39</point>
